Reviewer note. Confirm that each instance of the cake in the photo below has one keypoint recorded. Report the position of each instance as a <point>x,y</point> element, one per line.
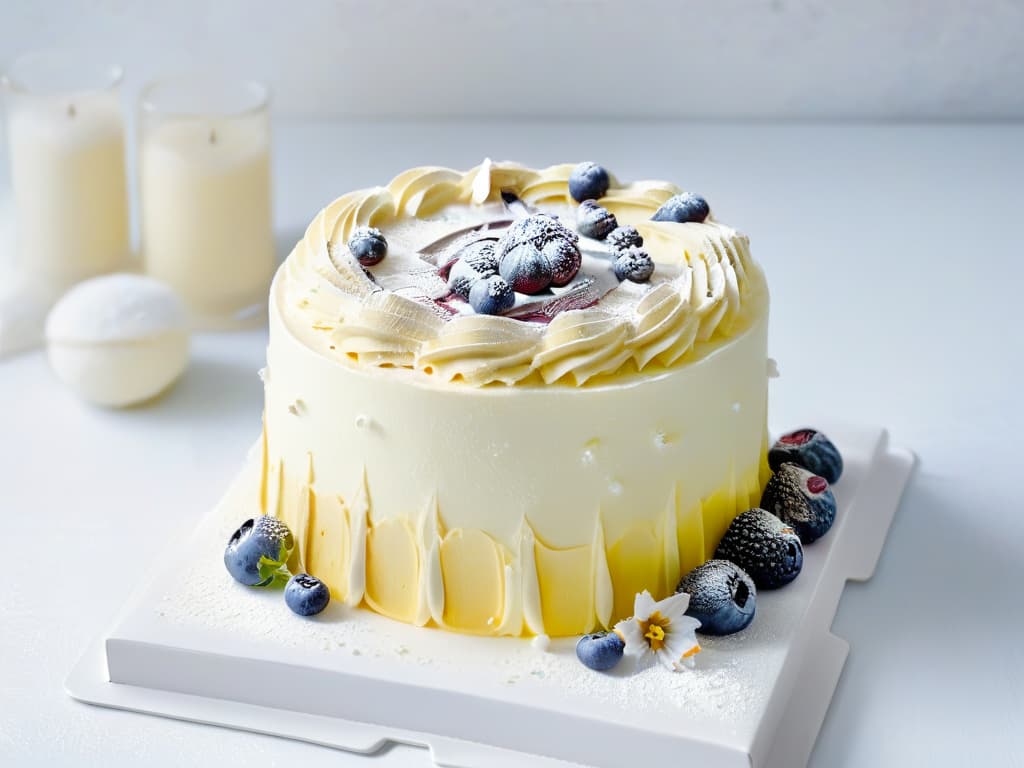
<point>526,472</point>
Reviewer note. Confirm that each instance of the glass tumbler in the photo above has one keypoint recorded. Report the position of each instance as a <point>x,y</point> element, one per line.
<point>205,195</point>
<point>65,129</point>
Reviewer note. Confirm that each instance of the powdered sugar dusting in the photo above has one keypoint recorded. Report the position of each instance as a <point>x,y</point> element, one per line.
<point>715,688</point>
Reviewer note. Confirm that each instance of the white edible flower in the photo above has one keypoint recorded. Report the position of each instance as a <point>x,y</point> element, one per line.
<point>661,628</point>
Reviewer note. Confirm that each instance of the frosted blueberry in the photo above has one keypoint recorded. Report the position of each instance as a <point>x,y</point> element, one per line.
<point>475,261</point>
<point>594,221</point>
<point>634,264</point>
<point>624,237</point>
<point>306,595</point>
<point>460,284</point>
<point>763,546</point>
<point>368,245</point>
<point>722,597</point>
<point>588,181</point>
<point>802,499</point>
<point>810,449</point>
<point>257,552</point>
<point>600,651</point>
<point>682,208</point>
<point>491,296</point>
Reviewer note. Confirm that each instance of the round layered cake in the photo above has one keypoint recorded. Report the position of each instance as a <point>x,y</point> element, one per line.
<point>485,411</point>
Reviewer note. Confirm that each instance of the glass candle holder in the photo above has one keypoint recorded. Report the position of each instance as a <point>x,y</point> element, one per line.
<point>67,160</point>
<point>205,197</point>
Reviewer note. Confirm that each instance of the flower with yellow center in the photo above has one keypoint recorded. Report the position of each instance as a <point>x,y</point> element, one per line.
<point>661,628</point>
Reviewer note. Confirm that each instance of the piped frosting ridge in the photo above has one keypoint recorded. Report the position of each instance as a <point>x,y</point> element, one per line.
<point>394,315</point>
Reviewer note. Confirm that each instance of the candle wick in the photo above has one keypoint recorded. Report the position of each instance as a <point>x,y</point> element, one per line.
<point>213,136</point>
<point>71,110</point>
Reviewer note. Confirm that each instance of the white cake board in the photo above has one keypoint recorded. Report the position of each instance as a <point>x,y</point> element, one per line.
<point>193,645</point>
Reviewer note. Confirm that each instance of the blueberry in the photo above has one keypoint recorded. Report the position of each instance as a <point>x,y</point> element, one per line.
<point>600,651</point>
<point>594,221</point>
<point>522,250</point>
<point>257,552</point>
<point>764,547</point>
<point>368,246</point>
<point>588,181</point>
<point>624,237</point>
<point>475,261</point>
<point>491,296</point>
<point>306,595</point>
<point>810,449</point>
<point>564,256</point>
<point>802,499</point>
<point>461,284</point>
<point>634,264</point>
<point>683,208</point>
<point>722,597</point>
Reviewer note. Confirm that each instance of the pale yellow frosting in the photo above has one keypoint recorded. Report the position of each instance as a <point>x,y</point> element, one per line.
<point>704,280</point>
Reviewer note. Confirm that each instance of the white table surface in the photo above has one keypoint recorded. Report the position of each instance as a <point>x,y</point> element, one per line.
<point>896,267</point>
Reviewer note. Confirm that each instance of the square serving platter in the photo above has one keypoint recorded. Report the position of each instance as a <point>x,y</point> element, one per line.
<point>193,645</point>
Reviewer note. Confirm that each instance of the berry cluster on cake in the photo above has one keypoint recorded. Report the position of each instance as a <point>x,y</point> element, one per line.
<point>509,400</point>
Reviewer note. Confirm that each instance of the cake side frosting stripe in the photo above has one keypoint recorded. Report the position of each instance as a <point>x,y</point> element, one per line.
<point>537,594</point>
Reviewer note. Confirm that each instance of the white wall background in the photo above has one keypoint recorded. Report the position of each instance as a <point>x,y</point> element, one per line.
<point>946,59</point>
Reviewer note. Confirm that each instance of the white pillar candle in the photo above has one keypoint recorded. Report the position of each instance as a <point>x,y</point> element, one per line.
<point>66,139</point>
<point>205,195</point>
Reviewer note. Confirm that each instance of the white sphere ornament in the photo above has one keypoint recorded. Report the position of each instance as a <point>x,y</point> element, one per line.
<point>118,340</point>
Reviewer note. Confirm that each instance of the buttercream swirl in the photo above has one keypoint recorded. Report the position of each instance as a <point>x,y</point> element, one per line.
<point>705,287</point>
